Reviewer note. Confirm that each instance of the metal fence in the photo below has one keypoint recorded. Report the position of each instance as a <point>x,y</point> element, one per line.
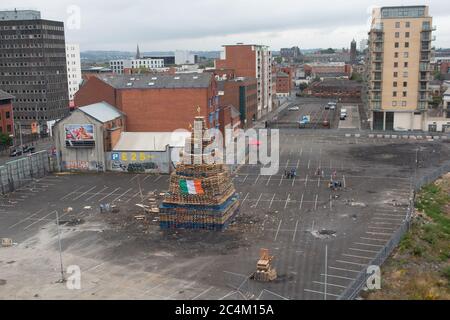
<point>353,290</point>
<point>17,173</point>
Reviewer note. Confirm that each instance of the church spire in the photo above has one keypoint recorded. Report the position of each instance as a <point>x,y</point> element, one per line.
<point>138,53</point>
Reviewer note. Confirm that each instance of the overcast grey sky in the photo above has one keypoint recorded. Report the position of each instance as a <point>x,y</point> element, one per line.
<point>208,24</point>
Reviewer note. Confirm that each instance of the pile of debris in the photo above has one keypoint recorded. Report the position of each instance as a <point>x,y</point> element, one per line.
<point>201,194</point>
<point>264,270</point>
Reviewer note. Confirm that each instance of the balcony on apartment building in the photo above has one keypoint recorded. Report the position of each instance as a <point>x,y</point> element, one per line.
<point>375,105</point>
<point>425,67</point>
<point>378,49</point>
<point>425,56</point>
<point>421,106</point>
<point>378,58</point>
<point>428,28</point>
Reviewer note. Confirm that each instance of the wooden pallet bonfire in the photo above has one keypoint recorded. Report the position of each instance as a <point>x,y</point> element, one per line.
<point>201,195</point>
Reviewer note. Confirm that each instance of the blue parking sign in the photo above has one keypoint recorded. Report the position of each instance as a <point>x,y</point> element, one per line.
<point>115,156</point>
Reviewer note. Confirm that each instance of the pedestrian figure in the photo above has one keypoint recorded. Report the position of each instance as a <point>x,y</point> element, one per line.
<point>318,172</point>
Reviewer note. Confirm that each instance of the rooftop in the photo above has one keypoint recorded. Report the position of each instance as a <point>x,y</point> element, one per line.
<point>159,81</point>
<point>8,15</point>
<point>101,111</point>
<point>150,141</point>
<point>5,95</point>
<point>338,83</point>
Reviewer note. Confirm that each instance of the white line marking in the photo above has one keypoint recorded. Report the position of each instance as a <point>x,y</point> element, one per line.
<point>96,194</point>
<point>363,250</point>
<point>27,227</point>
<point>287,201</point>
<point>344,269</point>
<point>271,201</point>
<point>268,180</point>
<point>373,239</point>
<point>369,244</point>
<point>281,180</point>
<point>245,179</point>
<point>314,291</point>
<point>257,179</point>
<point>295,232</point>
<point>118,197</point>
<point>256,204</point>
<point>349,262</point>
<point>309,163</point>
<point>27,218</point>
<point>380,233</point>
<point>338,277</point>
<point>315,203</point>
<point>354,256</point>
<point>201,294</point>
<point>301,202</point>
<point>67,195</point>
<point>330,284</point>
<point>345,183</point>
<point>246,196</point>
<point>112,192</point>
<point>276,235</point>
<point>306,180</point>
<point>79,196</point>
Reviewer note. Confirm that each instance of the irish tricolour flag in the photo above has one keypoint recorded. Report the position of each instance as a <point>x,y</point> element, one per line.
<point>191,186</point>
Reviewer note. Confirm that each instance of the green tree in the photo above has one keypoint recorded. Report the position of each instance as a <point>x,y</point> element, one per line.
<point>5,140</point>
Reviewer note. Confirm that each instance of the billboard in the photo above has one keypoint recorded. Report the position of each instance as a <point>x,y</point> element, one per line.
<point>79,135</point>
<point>79,132</point>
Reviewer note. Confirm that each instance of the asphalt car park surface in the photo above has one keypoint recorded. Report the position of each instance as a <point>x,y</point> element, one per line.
<point>296,218</point>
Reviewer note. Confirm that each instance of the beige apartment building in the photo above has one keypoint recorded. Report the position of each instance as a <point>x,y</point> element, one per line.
<point>399,67</point>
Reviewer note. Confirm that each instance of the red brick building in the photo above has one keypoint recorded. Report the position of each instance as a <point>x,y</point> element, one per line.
<point>156,102</point>
<point>283,84</point>
<point>241,93</point>
<point>6,113</point>
<point>251,61</point>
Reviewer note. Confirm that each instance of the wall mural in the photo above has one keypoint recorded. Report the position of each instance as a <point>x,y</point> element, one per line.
<point>134,162</point>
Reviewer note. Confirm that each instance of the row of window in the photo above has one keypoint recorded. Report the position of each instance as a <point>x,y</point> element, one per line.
<point>32,45</point>
<point>405,74</point>
<point>26,73</point>
<point>33,36</point>
<point>397,45</point>
<point>397,34</point>
<point>12,83</point>
<point>32,27</point>
<point>404,94</point>
<point>21,55</point>
<point>8,129</point>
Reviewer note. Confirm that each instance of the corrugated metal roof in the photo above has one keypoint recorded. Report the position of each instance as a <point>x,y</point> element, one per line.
<point>101,111</point>
<point>150,141</point>
<point>5,95</point>
<point>159,81</point>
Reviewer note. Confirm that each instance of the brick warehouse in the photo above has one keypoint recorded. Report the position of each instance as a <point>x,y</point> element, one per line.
<point>156,102</point>
<point>6,113</point>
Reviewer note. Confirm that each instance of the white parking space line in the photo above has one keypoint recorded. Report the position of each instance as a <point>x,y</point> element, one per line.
<point>147,177</point>
<point>259,199</point>
<point>306,180</point>
<point>278,230</point>
<point>382,228</point>
<point>87,191</point>
<point>345,183</point>
<point>157,178</point>
<point>118,197</point>
<point>344,269</point>
<point>330,284</point>
<point>315,203</point>
<point>69,194</point>
<point>134,196</point>
<point>301,201</point>
<point>373,239</point>
<point>399,219</point>
<point>369,244</point>
<point>295,232</point>
<point>293,181</point>
<point>271,201</point>
<point>41,219</point>
<point>245,178</point>
<point>379,233</point>
<point>309,163</point>
<point>337,277</point>
<point>257,178</point>
<point>355,256</point>
<point>349,262</point>
<point>322,293</point>
<point>202,293</point>
<point>268,180</point>
<point>25,219</point>
<point>137,175</point>
<point>287,201</point>
<point>298,164</point>
<point>245,198</point>
<point>363,250</point>
<point>109,194</point>
<point>96,194</point>
<point>281,180</point>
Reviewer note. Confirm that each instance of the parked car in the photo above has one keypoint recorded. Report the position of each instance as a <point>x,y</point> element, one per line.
<point>27,149</point>
<point>15,153</point>
<point>296,108</point>
<point>327,107</point>
<point>343,115</point>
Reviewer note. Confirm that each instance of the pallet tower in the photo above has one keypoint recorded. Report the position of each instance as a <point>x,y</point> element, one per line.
<point>200,195</point>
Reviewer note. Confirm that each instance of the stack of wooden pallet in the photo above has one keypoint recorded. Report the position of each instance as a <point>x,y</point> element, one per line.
<point>201,195</point>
